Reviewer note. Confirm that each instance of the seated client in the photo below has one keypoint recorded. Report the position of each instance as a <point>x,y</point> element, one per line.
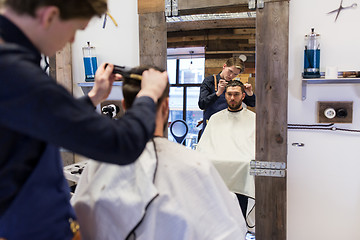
<point>229,141</point>
<point>170,192</point>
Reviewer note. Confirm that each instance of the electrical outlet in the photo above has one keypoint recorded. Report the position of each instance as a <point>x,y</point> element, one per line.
<point>335,112</point>
<point>115,113</point>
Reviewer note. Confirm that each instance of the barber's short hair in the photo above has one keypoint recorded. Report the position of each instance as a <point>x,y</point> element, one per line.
<point>236,62</point>
<point>234,83</point>
<point>131,87</point>
<point>69,9</point>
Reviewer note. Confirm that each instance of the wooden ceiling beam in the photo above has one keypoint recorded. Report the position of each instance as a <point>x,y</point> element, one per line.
<point>191,4</point>
<point>230,52</point>
<point>222,45</point>
<point>209,38</point>
<point>218,31</point>
<point>146,6</point>
<point>215,10</point>
<point>211,24</point>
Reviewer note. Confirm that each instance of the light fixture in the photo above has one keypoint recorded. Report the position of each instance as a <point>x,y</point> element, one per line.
<point>191,62</point>
<point>243,57</point>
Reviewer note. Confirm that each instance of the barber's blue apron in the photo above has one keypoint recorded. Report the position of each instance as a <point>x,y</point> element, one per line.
<point>42,209</point>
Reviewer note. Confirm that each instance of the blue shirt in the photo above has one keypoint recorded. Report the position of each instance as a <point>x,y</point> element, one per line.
<point>37,116</point>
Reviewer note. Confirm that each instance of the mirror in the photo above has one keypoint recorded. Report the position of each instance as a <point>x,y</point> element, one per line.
<point>179,130</point>
<point>213,36</point>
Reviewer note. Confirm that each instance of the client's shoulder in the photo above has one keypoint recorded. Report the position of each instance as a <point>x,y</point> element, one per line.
<point>249,113</point>
<point>176,152</point>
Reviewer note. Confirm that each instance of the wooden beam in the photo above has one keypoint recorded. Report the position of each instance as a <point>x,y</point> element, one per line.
<point>191,4</point>
<point>211,24</point>
<point>245,31</point>
<point>230,52</point>
<point>210,37</point>
<point>218,45</point>
<point>215,10</point>
<point>64,68</point>
<point>267,1</point>
<point>272,29</point>
<point>146,6</point>
<point>203,43</point>
<point>152,35</point>
<point>216,31</point>
<point>60,68</point>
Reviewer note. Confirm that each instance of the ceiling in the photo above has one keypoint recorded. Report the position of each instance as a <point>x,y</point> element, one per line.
<point>222,34</point>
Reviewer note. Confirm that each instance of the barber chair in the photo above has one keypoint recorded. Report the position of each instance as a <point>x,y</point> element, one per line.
<point>179,129</point>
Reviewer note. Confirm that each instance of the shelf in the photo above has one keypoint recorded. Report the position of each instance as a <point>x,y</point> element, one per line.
<point>307,81</point>
<point>87,86</point>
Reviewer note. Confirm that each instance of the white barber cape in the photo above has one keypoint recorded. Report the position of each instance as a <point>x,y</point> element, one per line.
<point>170,192</point>
<point>229,142</point>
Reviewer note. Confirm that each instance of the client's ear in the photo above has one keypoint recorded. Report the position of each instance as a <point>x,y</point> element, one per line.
<point>165,107</point>
<point>123,104</point>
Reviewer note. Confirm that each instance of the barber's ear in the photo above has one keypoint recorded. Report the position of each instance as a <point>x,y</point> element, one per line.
<point>47,15</point>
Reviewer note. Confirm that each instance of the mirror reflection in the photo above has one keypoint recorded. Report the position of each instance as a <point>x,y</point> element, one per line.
<point>197,55</point>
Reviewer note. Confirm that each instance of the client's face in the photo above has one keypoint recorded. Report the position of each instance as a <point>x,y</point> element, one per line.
<point>234,97</point>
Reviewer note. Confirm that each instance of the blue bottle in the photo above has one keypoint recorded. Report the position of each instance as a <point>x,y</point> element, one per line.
<point>312,55</point>
<point>90,62</point>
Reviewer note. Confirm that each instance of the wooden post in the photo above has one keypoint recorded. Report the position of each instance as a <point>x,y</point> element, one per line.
<point>61,70</point>
<point>272,29</point>
<point>61,67</point>
<point>152,33</point>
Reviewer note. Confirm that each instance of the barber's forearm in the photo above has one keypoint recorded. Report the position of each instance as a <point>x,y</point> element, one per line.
<point>250,100</point>
<point>115,141</point>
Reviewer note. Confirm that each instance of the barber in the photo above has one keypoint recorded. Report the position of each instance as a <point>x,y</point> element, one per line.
<point>212,94</point>
<point>38,116</point>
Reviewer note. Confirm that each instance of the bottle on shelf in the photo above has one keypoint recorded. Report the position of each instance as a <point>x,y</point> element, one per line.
<point>312,55</point>
<point>90,62</point>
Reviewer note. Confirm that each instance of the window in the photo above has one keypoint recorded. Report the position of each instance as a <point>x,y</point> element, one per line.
<point>186,73</point>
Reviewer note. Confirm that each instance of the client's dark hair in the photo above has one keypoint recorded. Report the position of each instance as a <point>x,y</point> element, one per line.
<point>131,87</point>
<point>234,83</point>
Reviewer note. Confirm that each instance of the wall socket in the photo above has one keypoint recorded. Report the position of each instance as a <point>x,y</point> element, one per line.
<point>114,102</point>
<point>335,112</point>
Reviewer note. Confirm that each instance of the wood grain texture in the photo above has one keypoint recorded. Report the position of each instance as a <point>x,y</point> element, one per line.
<point>152,34</point>
<point>64,68</point>
<point>211,24</point>
<point>272,28</point>
<point>190,4</point>
<point>60,68</point>
<point>146,6</point>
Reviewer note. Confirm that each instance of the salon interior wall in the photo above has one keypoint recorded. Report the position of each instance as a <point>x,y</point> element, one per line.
<point>118,45</point>
<point>323,176</point>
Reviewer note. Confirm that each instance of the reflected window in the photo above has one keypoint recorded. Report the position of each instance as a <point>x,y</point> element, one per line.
<point>191,70</point>
<point>193,115</point>
<point>186,73</point>
<point>171,69</point>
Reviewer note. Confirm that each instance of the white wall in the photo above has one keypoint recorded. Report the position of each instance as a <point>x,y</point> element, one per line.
<point>117,45</point>
<point>323,179</point>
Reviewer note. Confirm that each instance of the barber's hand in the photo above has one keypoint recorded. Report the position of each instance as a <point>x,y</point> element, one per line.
<point>104,79</point>
<point>248,89</point>
<point>153,84</point>
<point>221,87</point>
